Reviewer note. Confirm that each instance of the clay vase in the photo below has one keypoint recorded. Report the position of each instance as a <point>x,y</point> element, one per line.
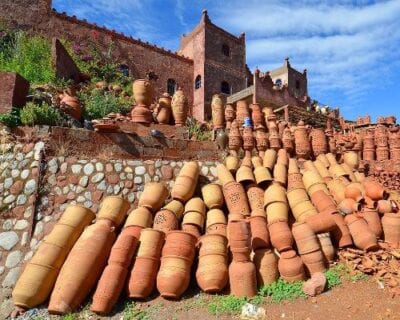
<point>165,220</point>
<point>153,196</point>
<point>239,234</point>
<point>290,266</point>
<point>142,277</point>
<point>245,175</point>
<point>274,139</point>
<point>322,222</point>
<point>242,112</point>
<point>82,268</point>
<point>341,234</point>
<point>373,221</point>
<point>140,216</point>
<point>217,228</point>
<point>354,191</point>
<point>235,138</point>
<point>114,275</point>
<point>322,201</point>
<point>176,207</point>
<point>36,281</point>
<point>303,210</point>
<point>277,211</point>
<point>351,159</point>
<point>322,170</point>
<point>327,247</point>
<point>230,115</point>
<point>348,206</point>
<point>164,111</point>
<point>362,235</point>
<point>179,105</point>
<point>215,217</point>
<point>257,116</point>
<point>150,243</point>
<point>305,238</point>
<point>185,183</point>
<point>266,263</point>
<point>269,159</point>
<point>248,139</point>
<point>314,262</point>
<point>113,208</point>
<point>319,144</point>
<point>287,141</point>
<point>195,205</point>
<point>295,181</point>
<point>236,199</point>
<point>337,190</point>
<point>274,193</point>
<point>280,174</point>
<point>232,163</point>
<point>71,106</point>
<point>212,196</point>
<point>180,244</point>
<point>374,190</point>
<point>255,196</point>
<point>384,206</point>
<point>217,111</point>
<point>259,232</point>
<point>391,229</point>
<point>143,95</point>
<point>261,141</point>
<point>302,144</point>
<point>243,279</point>
<point>280,235</point>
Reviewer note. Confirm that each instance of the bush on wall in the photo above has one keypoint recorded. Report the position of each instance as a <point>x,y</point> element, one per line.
<point>33,114</point>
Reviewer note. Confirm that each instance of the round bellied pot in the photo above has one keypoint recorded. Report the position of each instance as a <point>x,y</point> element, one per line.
<point>140,216</point>
<point>243,279</point>
<point>185,183</point>
<point>327,247</point>
<point>374,190</point>
<point>217,111</point>
<point>210,244</point>
<point>373,221</point>
<point>235,198</point>
<point>164,110</point>
<point>153,196</point>
<point>179,243</point>
<point>142,277</point>
<point>259,232</point>
<point>384,206</point>
<point>354,191</point>
<point>266,263</point>
<point>391,229</point>
<point>362,235</point>
<point>280,235</point>
<point>348,206</point>
<point>212,272</point>
<point>165,220</point>
<point>290,266</point>
<point>179,105</point>
<point>71,106</point>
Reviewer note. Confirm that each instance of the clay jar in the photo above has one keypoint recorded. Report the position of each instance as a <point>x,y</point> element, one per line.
<point>230,115</point>
<point>216,217</point>
<point>239,234</point>
<point>248,139</point>
<point>280,235</point>
<point>322,201</point>
<point>217,111</point>
<point>269,159</point>
<point>255,196</point>
<point>141,217</point>
<point>373,221</point>
<point>212,196</point>
<point>142,277</point>
<point>236,199</point>
<point>348,206</point>
<point>113,208</point>
<point>232,163</point>
<point>242,111</point>
<point>322,222</point>
<point>151,242</point>
<point>165,220</point>
<point>351,159</point>
<point>185,183</point>
<point>179,105</point>
<point>235,138</point>
<point>164,110</point>
<point>71,106</point>
<point>318,142</point>
<point>290,266</point>
<point>259,232</point>
<point>362,236</point>
<point>374,190</point>
<point>327,247</point>
<point>391,229</point>
<point>143,95</point>
<point>354,191</point>
<point>256,115</point>
<point>153,196</point>
<point>179,243</point>
<point>302,144</point>
<point>266,263</point>
<point>243,279</point>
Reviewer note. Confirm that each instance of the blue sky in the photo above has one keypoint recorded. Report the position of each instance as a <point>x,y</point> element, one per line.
<point>351,49</point>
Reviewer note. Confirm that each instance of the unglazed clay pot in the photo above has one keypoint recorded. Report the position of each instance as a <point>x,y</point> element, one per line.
<point>82,268</point>
<point>362,235</point>
<point>215,216</point>
<point>319,144</point>
<point>341,234</point>
<point>327,247</point>
<point>314,261</point>
<point>113,208</point>
<point>255,196</point>
<point>256,115</point>
<point>266,263</point>
<point>351,159</point>
<point>245,175</point>
<point>192,229</point>
<point>212,196</point>
<point>295,181</point>
<point>322,222</point>
<point>151,242</point>
<point>303,210</point>
<point>153,196</point>
<point>236,199</point>
<point>195,205</point>
<point>277,211</point>
<point>71,106</point>
<point>239,230</point>
<point>261,141</point>
<point>217,111</point>
<point>280,235</point>
<point>185,183</point>
<point>280,174</point>
<point>142,92</point>
<point>224,174</point>
<point>391,229</point>
<point>230,115</point>
<point>212,272</point>
<point>373,221</point>
<point>242,111</point>
<point>210,244</point>
<point>194,218</point>
<point>349,206</point>
<point>302,143</point>
<point>140,216</point>
<point>322,201</point>
<point>36,281</point>
<point>235,138</point>
<point>274,193</point>
<point>243,279</point>
<point>218,228</point>
<point>142,277</point>
<point>305,238</point>
<point>322,170</point>
<point>269,159</point>
<point>337,190</point>
<point>384,206</point>
<point>164,111</point>
<point>374,190</point>
<point>259,232</point>
<point>296,197</point>
<point>290,266</point>
<point>179,243</point>
<point>232,163</point>
<point>165,220</point>
<point>354,191</point>
<point>179,105</point>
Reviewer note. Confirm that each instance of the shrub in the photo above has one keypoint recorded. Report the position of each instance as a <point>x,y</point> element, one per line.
<point>231,304</point>
<point>27,55</point>
<point>282,290</point>
<point>44,114</point>
<point>197,131</point>
<point>98,104</point>
<point>11,119</point>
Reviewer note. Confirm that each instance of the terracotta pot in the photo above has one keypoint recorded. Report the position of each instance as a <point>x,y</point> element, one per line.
<point>248,139</point>
<point>384,206</point>
<point>165,220</point>
<point>274,193</point>
<point>266,263</point>
<point>303,210</point>
<point>323,158</point>
<point>277,211</point>
<point>173,277</point>
<point>269,159</point>
<point>212,196</point>
<point>239,230</point>
<point>349,206</point>
<point>230,115</point>
<point>302,143</point>
<point>319,144</point>
<point>82,268</point>
<point>113,208</point>
<point>151,243</point>
<point>373,221</point>
<point>280,235</point>
<point>322,201</point>
<point>337,171</point>
<point>243,279</point>
<point>261,141</point>
<point>362,235</point>
<point>185,183</point>
<point>192,229</point>
<point>142,92</point>
<point>295,181</point>
<point>242,111</point>
<point>255,196</point>
<point>257,116</point>
<point>327,247</point>
<point>262,176</point>
<point>36,281</point>
<point>114,275</point>
<point>212,273</point>
<point>341,234</point>
<point>179,243</point>
<point>215,216</point>
<point>305,238</point>
<point>235,198</point>
<point>217,111</point>
<point>290,266</point>
<point>140,216</point>
<point>235,138</point>
<point>176,207</point>
<point>195,205</point>
<point>374,190</point>
<point>224,174</point>
<point>194,218</point>
<point>231,163</point>
<point>322,170</point>
<point>245,175</point>
<point>297,196</point>
<point>309,166</point>
<point>391,229</point>
<point>164,110</point>
<point>71,106</point>
<point>179,105</point>
<point>314,262</point>
<point>349,171</point>
<point>280,174</point>
<point>282,158</point>
<point>337,190</point>
<point>259,232</point>
<point>217,228</point>
<point>311,178</point>
<point>274,139</point>
<point>354,191</point>
<point>351,159</point>
<point>211,244</point>
<point>322,222</point>
<point>143,277</point>
<point>153,196</point>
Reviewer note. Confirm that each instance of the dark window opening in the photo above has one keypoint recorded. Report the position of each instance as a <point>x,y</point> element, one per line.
<point>278,83</point>
<point>124,70</point>
<point>225,50</point>
<point>297,84</point>
<point>197,82</point>
<point>225,87</point>
<point>171,87</point>
<point>151,75</point>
